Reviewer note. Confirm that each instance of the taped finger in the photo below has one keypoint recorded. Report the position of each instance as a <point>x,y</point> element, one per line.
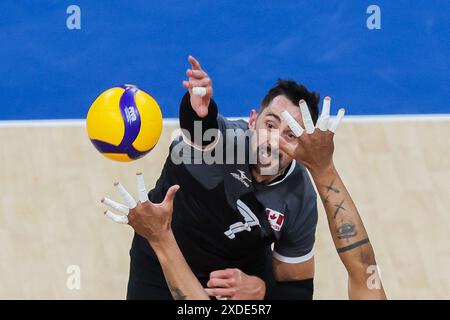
<point>307,120</point>
<point>295,127</point>
<point>335,124</point>
<point>322,123</point>
<point>142,189</point>
<point>199,91</point>
<point>129,201</point>
<point>115,205</point>
<point>116,217</point>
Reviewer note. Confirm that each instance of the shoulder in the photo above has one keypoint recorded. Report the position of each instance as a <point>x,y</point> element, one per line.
<point>296,223</point>
<point>299,200</point>
<point>225,123</point>
<point>301,181</point>
<point>291,203</point>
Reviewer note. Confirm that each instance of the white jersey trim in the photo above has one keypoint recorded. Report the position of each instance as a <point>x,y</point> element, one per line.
<point>206,148</point>
<point>291,169</point>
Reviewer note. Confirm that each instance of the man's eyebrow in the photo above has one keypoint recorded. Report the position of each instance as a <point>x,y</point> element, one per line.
<point>274,115</point>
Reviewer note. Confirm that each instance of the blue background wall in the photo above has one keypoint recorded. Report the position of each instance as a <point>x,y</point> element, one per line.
<point>50,72</point>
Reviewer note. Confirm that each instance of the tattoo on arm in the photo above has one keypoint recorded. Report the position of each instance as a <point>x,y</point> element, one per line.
<point>353,246</point>
<point>176,292</point>
<point>338,207</point>
<point>326,199</point>
<point>330,188</point>
<point>346,231</point>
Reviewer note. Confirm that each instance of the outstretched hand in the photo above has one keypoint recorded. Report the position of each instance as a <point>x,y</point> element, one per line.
<point>313,148</point>
<point>150,220</point>
<point>199,86</point>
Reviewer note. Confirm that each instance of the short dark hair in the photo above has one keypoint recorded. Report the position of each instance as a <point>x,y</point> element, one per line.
<point>294,92</point>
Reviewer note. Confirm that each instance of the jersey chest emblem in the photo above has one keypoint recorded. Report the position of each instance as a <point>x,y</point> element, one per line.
<point>275,218</point>
<point>250,220</point>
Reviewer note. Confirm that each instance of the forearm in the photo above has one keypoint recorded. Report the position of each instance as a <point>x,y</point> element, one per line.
<point>179,277</point>
<point>348,232</point>
<point>188,117</point>
<point>345,224</point>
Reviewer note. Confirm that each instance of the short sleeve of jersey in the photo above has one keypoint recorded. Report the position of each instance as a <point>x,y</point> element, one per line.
<point>296,242</point>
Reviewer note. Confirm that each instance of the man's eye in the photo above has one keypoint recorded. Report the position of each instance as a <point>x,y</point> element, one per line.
<point>291,135</point>
<point>270,125</point>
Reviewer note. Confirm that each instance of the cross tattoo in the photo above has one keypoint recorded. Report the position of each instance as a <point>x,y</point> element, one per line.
<point>330,187</point>
<point>338,207</point>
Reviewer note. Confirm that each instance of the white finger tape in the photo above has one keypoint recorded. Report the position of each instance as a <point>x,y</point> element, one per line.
<point>307,120</point>
<point>116,218</point>
<point>295,127</point>
<point>335,124</point>
<point>129,201</point>
<point>324,118</point>
<point>142,189</point>
<point>199,91</point>
<point>115,205</point>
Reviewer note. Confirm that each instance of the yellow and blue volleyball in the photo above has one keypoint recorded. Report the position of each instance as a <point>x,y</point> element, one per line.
<point>124,123</point>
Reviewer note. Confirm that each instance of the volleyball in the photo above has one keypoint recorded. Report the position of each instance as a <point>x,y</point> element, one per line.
<point>124,123</point>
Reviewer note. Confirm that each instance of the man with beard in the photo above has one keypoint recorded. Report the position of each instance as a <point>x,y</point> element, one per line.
<point>227,215</point>
<point>314,148</point>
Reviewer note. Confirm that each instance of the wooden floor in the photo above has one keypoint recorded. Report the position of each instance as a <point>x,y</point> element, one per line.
<point>52,180</point>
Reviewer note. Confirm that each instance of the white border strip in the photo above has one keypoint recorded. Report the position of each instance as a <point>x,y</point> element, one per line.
<point>444,117</point>
<point>43,123</point>
<point>60,123</point>
<point>438,117</point>
<point>304,258</point>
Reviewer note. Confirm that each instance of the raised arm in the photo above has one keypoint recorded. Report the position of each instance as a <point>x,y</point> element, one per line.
<point>153,222</point>
<point>197,105</point>
<point>349,236</point>
<point>314,148</point>
<point>179,277</point>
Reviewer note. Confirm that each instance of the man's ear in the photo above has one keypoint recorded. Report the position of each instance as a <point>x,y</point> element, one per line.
<point>252,119</point>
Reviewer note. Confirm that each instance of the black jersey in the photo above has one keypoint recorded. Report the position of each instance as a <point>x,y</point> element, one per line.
<point>222,219</point>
